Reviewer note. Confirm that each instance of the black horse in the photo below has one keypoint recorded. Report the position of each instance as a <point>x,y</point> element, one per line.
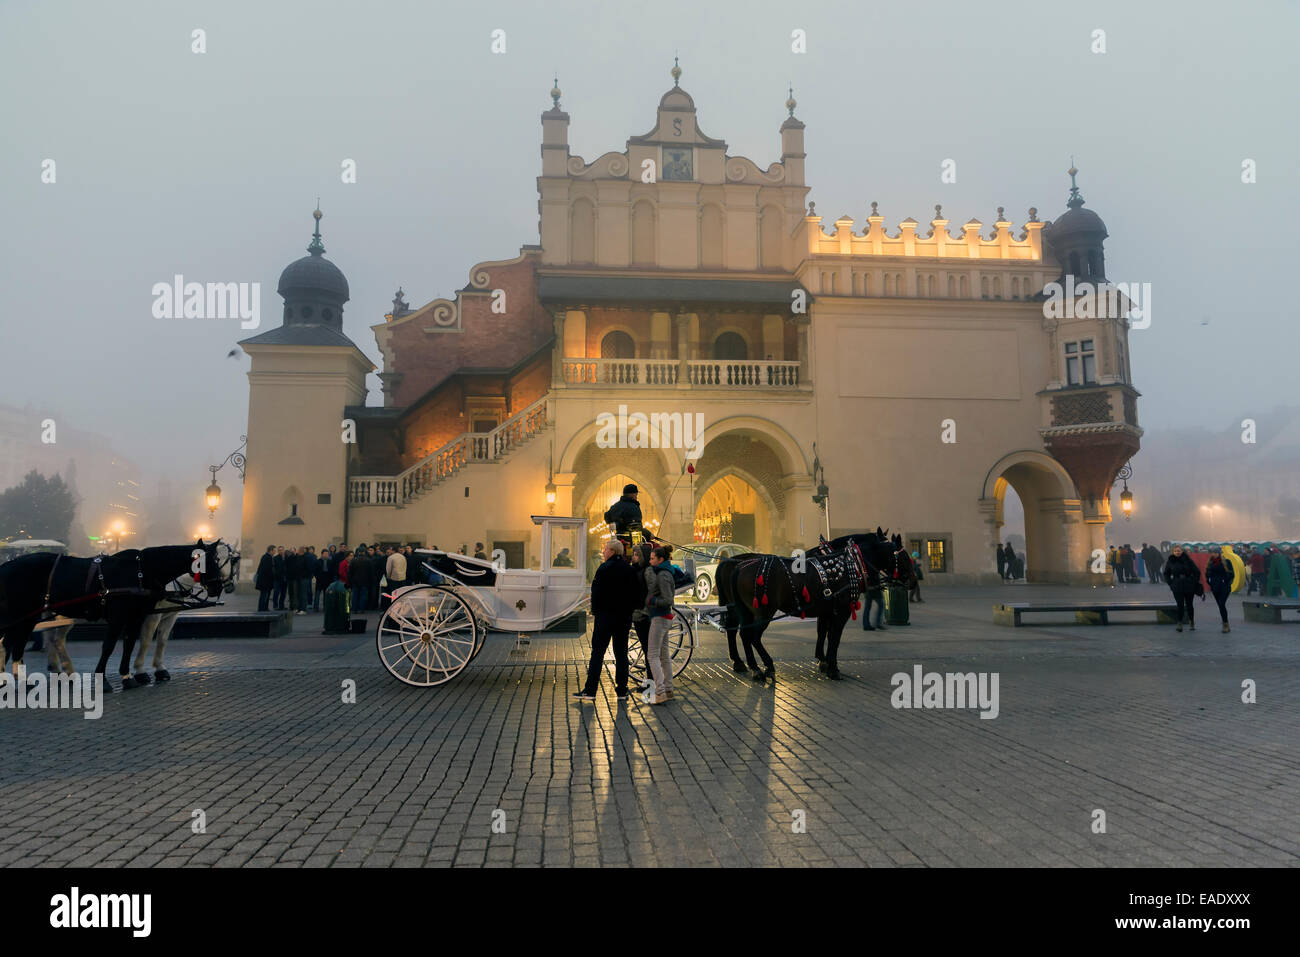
<point>122,589</point>
<point>756,587</point>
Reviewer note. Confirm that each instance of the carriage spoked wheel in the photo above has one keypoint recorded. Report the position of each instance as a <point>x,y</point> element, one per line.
<point>681,643</point>
<point>427,636</point>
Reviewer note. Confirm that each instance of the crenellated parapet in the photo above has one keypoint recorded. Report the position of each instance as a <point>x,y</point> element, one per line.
<point>935,264</point>
<point>936,243</point>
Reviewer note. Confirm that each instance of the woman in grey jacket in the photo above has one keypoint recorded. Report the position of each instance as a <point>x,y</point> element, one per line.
<point>659,606</point>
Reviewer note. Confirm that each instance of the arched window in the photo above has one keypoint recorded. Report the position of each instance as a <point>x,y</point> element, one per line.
<point>643,233</point>
<point>617,345</point>
<point>1094,265</point>
<point>582,232</point>
<point>730,345</point>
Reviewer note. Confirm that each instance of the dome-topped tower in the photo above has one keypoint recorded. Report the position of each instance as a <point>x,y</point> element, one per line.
<point>314,289</point>
<point>1076,238</point>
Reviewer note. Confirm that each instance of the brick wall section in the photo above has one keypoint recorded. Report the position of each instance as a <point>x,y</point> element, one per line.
<point>486,339</point>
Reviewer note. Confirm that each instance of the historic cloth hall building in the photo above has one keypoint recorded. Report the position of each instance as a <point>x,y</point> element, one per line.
<point>682,283</point>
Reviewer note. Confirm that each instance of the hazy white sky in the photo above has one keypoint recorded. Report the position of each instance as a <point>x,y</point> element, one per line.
<point>209,165</point>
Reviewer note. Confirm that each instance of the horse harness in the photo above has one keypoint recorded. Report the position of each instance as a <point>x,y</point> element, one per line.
<point>96,570</point>
<point>836,574</point>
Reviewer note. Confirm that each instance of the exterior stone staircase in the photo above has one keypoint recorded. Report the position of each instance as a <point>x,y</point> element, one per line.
<point>440,465</point>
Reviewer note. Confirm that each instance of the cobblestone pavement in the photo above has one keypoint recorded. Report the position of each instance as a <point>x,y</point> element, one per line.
<point>1136,720</point>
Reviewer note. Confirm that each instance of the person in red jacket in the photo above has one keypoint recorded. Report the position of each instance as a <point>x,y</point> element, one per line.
<point>343,565</point>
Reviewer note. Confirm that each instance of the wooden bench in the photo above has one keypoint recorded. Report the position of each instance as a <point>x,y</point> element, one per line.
<point>1085,613</point>
<point>1269,610</point>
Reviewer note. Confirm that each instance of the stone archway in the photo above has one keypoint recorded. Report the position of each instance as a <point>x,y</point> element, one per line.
<point>763,471</point>
<point>1055,539</point>
<point>735,506</point>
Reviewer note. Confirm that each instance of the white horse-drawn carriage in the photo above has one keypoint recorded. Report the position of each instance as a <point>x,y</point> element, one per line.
<point>430,633</point>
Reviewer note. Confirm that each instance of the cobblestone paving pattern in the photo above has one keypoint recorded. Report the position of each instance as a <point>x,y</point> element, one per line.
<point>1143,723</point>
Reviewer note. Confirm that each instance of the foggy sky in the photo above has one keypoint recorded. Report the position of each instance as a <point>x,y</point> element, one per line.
<point>209,166</point>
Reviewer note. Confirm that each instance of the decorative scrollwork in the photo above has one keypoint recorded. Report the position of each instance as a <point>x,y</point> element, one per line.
<point>618,165</point>
<point>479,279</point>
<point>444,314</point>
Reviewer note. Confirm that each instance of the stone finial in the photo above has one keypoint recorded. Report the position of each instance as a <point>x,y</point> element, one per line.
<point>874,210</point>
<point>938,211</point>
<point>1001,215</point>
<point>555,93</point>
<point>1033,214</point>
<point>812,209</point>
<point>676,72</point>
<point>400,307</point>
<point>316,247</point>
<point>791,103</point>
<point>1075,200</point>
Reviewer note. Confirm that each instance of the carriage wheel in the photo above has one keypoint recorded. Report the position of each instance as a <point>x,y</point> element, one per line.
<point>427,636</point>
<point>681,643</point>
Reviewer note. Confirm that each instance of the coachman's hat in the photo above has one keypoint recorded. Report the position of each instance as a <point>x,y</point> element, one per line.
<point>629,489</point>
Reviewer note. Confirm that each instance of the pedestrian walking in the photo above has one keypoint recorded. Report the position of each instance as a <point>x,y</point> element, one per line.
<point>1139,562</point>
<point>1010,554</point>
<point>1257,562</point>
<point>659,606</point>
<point>264,578</point>
<point>1126,564</point>
<point>1002,562</point>
<point>1219,575</point>
<point>614,596</point>
<point>1184,580</point>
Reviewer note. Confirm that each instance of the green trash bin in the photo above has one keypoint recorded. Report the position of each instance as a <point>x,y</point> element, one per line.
<point>896,605</point>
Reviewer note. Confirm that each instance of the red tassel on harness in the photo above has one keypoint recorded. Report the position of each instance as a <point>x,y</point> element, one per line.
<point>755,602</point>
<point>803,614</point>
<point>764,599</point>
<point>759,581</point>
<point>806,596</point>
<point>855,611</point>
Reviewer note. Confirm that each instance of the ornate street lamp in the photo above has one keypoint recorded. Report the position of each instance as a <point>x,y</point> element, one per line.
<point>823,496</point>
<point>1125,497</point>
<point>212,496</point>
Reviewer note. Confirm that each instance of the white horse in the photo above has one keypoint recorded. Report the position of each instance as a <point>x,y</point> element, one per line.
<point>157,628</point>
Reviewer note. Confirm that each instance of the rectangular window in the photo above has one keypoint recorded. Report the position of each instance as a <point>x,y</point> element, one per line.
<point>938,556</point>
<point>323,498</point>
<point>1080,363</point>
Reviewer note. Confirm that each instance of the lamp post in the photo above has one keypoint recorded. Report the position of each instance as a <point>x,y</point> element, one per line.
<point>823,496</point>
<point>212,496</point>
<point>1210,509</point>
<point>1125,497</point>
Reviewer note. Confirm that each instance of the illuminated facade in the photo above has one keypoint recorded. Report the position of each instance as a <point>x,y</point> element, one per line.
<point>688,285</point>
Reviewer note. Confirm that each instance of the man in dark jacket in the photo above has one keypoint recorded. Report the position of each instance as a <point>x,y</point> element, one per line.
<point>1153,560</point>
<point>291,562</point>
<point>359,579</point>
<point>614,597</point>
<point>264,579</point>
<point>625,516</point>
<point>277,600</point>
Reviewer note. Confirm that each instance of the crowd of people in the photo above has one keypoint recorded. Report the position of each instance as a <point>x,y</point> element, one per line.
<point>300,576</point>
